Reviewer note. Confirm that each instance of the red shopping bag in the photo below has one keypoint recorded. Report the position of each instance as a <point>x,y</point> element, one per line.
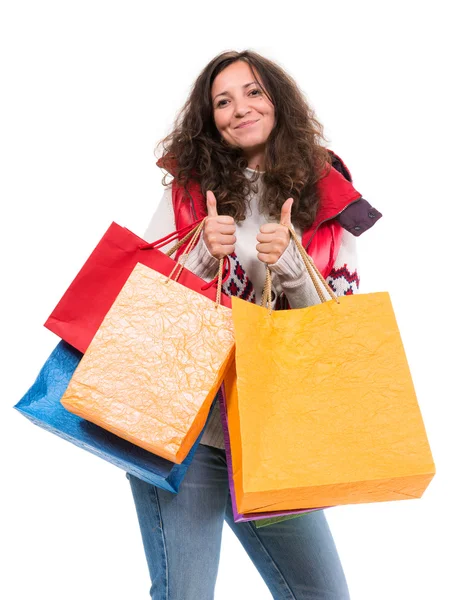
<point>82,308</point>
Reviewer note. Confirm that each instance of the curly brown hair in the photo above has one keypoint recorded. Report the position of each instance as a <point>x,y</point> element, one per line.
<point>294,156</point>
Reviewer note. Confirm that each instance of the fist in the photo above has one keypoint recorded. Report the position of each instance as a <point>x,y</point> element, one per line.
<point>219,231</point>
<point>274,238</point>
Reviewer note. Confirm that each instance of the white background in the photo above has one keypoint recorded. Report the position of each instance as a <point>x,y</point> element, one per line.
<point>88,88</point>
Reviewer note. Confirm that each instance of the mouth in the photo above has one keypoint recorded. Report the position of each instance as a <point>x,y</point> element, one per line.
<point>246,124</point>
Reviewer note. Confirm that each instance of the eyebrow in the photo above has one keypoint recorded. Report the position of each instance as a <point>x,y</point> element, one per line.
<point>244,86</point>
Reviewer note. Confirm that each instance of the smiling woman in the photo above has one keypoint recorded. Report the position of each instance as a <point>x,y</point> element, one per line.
<point>286,141</point>
<point>246,154</point>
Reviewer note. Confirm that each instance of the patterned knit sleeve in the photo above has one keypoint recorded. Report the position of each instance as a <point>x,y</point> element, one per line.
<point>297,285</point>
<point>343,278</point>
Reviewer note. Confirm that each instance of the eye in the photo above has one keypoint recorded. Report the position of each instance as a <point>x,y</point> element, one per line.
<point>256,92</point>
<point>220,103</point>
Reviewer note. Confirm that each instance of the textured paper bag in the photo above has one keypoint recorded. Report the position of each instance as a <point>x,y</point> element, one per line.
<point>322,410</point>
<point>154,367</point>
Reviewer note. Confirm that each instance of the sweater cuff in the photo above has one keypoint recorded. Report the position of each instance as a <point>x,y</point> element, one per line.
<point>290,267</point>
<point>201,262</point>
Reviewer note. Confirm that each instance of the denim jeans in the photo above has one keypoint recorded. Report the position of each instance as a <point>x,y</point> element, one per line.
<point>182,535</point>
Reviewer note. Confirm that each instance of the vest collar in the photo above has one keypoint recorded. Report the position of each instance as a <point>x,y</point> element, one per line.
<point>335,191</point>
<point>336,194</point>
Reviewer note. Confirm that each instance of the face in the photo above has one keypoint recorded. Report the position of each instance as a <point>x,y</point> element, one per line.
<point>243,114</point>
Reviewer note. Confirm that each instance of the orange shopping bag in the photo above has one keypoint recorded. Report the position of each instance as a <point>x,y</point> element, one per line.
<point>321,407</point>
<point>153,368</point>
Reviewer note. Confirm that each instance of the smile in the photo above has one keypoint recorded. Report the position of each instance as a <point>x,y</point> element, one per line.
<point>246,124</point>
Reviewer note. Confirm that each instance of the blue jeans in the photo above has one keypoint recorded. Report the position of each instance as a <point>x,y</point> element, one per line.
<point>182,534</point>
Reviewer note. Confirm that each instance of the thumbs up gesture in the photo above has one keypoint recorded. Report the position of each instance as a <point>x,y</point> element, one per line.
<point>274,238</point>
<point>219,230</point>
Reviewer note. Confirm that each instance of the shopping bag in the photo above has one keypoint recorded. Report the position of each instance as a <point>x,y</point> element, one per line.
<point>82,308</point>
<point>155,364</point>
<point>41,405</point>
<point>323,410</point>
<point>261,519</point>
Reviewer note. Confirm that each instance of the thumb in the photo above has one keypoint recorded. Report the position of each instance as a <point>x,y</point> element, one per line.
<point>211,204</point>
<point>285,212</point>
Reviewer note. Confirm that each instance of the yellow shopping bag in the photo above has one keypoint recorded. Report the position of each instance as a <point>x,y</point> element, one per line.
<point>321,407</point>
<point>153,368</point>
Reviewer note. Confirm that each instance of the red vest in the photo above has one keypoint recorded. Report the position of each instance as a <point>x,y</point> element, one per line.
<point>321,240</point>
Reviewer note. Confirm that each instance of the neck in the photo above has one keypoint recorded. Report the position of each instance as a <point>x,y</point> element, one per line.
<point>255,158</point>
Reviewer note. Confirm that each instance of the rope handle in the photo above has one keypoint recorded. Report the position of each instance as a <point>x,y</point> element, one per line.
<point>193,235</point>
<point>182,241</point>
<point>312,270</point>
<point>178,268</point>
<point>193,232</point>
<point>266,297</point>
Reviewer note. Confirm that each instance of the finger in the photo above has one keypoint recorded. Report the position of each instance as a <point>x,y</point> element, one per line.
<point>211,204</point>
<point>216,227</point>
<point>269,228</point>
<point>213,239</point>
<point>265,248</point>
<point>221,251</point>
<point>265,238</point>
<point>227,248</point>
<point>286,212</point>
<point>269,259</point>
<point>226,220</point>
<point>225,229</point>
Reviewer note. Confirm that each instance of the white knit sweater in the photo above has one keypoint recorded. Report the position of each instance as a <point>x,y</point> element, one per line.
<point>289,273</point>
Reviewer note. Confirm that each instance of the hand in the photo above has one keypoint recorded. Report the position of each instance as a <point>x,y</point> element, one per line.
<point>219,231</point>
<point>274,238</point>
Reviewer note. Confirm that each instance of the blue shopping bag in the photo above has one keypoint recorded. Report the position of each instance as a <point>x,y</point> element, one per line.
<point>41,405</point>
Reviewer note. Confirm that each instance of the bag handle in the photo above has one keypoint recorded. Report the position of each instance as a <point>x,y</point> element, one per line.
<point>193,235</point>
<point>182,241</point>
<point>188,231</point>
<point>311,269</point>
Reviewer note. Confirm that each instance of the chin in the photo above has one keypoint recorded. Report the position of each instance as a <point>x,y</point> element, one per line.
<point>252,143</point>
<point>247,143</point>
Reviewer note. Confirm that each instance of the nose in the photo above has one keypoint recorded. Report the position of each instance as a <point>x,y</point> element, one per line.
<point>241,108</point>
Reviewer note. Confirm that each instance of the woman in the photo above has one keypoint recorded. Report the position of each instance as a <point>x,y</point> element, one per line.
<point>247,153</point>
